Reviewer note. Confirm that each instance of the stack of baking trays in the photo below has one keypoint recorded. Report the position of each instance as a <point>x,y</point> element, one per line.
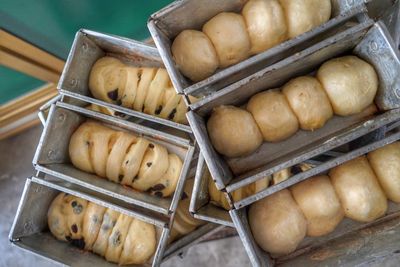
<point>146,152</point>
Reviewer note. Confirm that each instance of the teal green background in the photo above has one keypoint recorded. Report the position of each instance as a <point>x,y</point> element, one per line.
<point>52,24</point>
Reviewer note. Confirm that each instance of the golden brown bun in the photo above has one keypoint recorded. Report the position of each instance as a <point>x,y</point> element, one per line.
<point>277,223</point>
<point>350,83</point>
<point>304,15</point>
<point>358,189</point>
<point>147,90</point>
<point>227,32</point>
<point>273,115</point>
<point>308,101</point>
<point>385,162</point>
<point>319,203</point>
<point>124,158</point>
<point>194,54</point>
<point>233,131</point>
<point>266,24</point>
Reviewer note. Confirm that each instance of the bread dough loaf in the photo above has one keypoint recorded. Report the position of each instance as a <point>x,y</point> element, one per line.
<point>266,24</point>
<point>350,83</point>
<point>227,32</point>
<point>304,15</point>
<point>319,203</point>
<point>147,90</point>
<point>125,158</point>
<point>273,115</point>
<point>385,162</point>
<point>358,189</point>
<point>308,101</point>
<point>277,223</point>
<point>117,237</point>
<point>194,54</point>
<point>233,131</point>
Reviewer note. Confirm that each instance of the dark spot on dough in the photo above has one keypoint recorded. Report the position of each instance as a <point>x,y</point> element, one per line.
<point>95,219</point>
<point>184,196</point>
<point>74,228</point>
<point>77,209</point>
<point>73,204</point>
<point>135,178</point>
<point>158,187</point>
<point>113,95</point>
<point>116,239</point>
<point>296,169</point>
<point>126,162</point>
<point>172,114</point>
<point>151,145</point>
<point>158,111</point>
<point>149,164</point>
<point>87,143</point>
<point>120,177</point>
<point>159,194</point>
<point>139,75</point>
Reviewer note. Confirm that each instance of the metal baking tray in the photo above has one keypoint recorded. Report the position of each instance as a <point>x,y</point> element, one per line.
<point>52,156</point>
<point>260,258</point>
<point>167,23</point>
<point>370,43</point>
<point>87,48</point>
<point>30,231</point>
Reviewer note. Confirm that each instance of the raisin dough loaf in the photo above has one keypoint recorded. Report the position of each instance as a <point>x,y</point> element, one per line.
<point>147,90</point>
<point>124,158</point>
<point>110,234</point>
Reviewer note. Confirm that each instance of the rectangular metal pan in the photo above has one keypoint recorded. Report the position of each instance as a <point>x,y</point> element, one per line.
<point>52,155</point>
<point>309,244</point>
<point>87,48</point>
<point>370,43</point>
<point>30,231</point>
<point>167,23</point>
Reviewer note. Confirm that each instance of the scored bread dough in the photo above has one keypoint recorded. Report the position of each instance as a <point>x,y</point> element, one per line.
<point>385,162</point>
<point>194,55</point>
<point>227,32</point>
<point>273,115</point>
<point>308,101</point>
<point>92,221</point>
<point>277,223</point>
<point>266,24</point>
<point>233,131</point>
<point>304,15</point>
<point>350,83</point>
<point>117,238</point>
<point>109,220</point>
<point>319,203</point>
<point>358,189</point>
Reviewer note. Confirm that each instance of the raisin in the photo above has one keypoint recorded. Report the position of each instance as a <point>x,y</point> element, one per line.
<point>158,111</point>
<point>159,194</point>
<point>120,177</point>
<point>116,239</point>
<point>295,169</point>
<point>184,196</point>
<point>149,164</point>
<point>74,228</point>
<point>172,114</point>
<point>73,204</point>
<point>113,95</point>
<point>151,145</point>
<point>77,209</point>
<point>87,143</point>
<point>158,187</point>
<point>126,162</point>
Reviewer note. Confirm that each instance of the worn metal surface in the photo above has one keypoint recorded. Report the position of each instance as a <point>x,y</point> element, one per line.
<point>233,173</point>
<point>87,48</point>
<point>52,156</point>
<point>165,24</point>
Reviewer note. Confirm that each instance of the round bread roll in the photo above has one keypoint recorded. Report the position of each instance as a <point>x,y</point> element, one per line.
<point>385,162</point>
<point>350,82</point>
<point>227,32</point>
<point>233,131</point>
<point>194,55</point>
<point>309,102</point>
<point>273,115</point>
<point>304,15</point>
<point>319,203</point>
<point>358,190</point>
<point>266,24</point>
<point>277,223</point>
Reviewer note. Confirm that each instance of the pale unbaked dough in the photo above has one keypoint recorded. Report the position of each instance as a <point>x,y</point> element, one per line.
<point>194,54</point>
<point>233,131</point>
<point>350,83</point>
<point>266,24</point>
<point>227,32</point>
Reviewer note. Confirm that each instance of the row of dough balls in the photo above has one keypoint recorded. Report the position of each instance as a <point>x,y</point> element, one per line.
<point>357,189</point>
<point>229,38</point>
<point>219,199</point>
<point>343,86</point>
<point>147,90</point>
<point>124,158</point>
<point>108,233</point>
